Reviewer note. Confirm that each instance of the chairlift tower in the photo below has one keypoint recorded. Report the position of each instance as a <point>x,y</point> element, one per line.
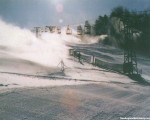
<point>130,60</point>
<point>37,31</point>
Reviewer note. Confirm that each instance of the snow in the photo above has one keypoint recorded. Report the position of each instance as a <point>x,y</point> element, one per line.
<point>115,55</point>
<point>23,44</point>
<point>89,72</point>
<point>29,74</point>
<point>16,81</point>
<point>23,54</point>
<point>75,73</point>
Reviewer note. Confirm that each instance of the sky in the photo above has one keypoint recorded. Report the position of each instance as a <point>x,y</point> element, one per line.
<point>30,13</point>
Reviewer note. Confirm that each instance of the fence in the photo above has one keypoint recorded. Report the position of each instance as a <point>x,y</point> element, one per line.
<point>96,61</point>
<point>107,65</point>
<point>86,58</point>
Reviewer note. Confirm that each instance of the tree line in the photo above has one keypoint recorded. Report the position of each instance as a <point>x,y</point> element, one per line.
<point>111,25</point>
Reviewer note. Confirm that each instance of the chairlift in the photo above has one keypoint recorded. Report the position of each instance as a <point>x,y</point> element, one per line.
<point>58,30</point>
<point>46,29</point>
<point>79,30</point>
<point>68,31</point>
<point>41,29</point>
<point>52,29</point>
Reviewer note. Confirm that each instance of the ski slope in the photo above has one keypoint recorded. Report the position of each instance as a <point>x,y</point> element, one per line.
<point>32,85</point>
<point>22,54</point>
<point>26,58</point>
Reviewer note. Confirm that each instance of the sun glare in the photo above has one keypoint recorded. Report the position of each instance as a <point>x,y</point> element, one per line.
<point>59,8</point>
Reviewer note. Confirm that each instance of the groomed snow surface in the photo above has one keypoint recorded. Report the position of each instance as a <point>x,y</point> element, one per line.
<point>30,74</point>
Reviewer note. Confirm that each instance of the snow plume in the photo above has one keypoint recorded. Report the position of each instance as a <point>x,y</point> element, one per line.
<point>88,39</point>
<point>49,50</point>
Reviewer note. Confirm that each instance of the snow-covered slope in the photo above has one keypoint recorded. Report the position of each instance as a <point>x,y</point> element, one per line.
<point>29,61</point>
<point>21,43</point>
